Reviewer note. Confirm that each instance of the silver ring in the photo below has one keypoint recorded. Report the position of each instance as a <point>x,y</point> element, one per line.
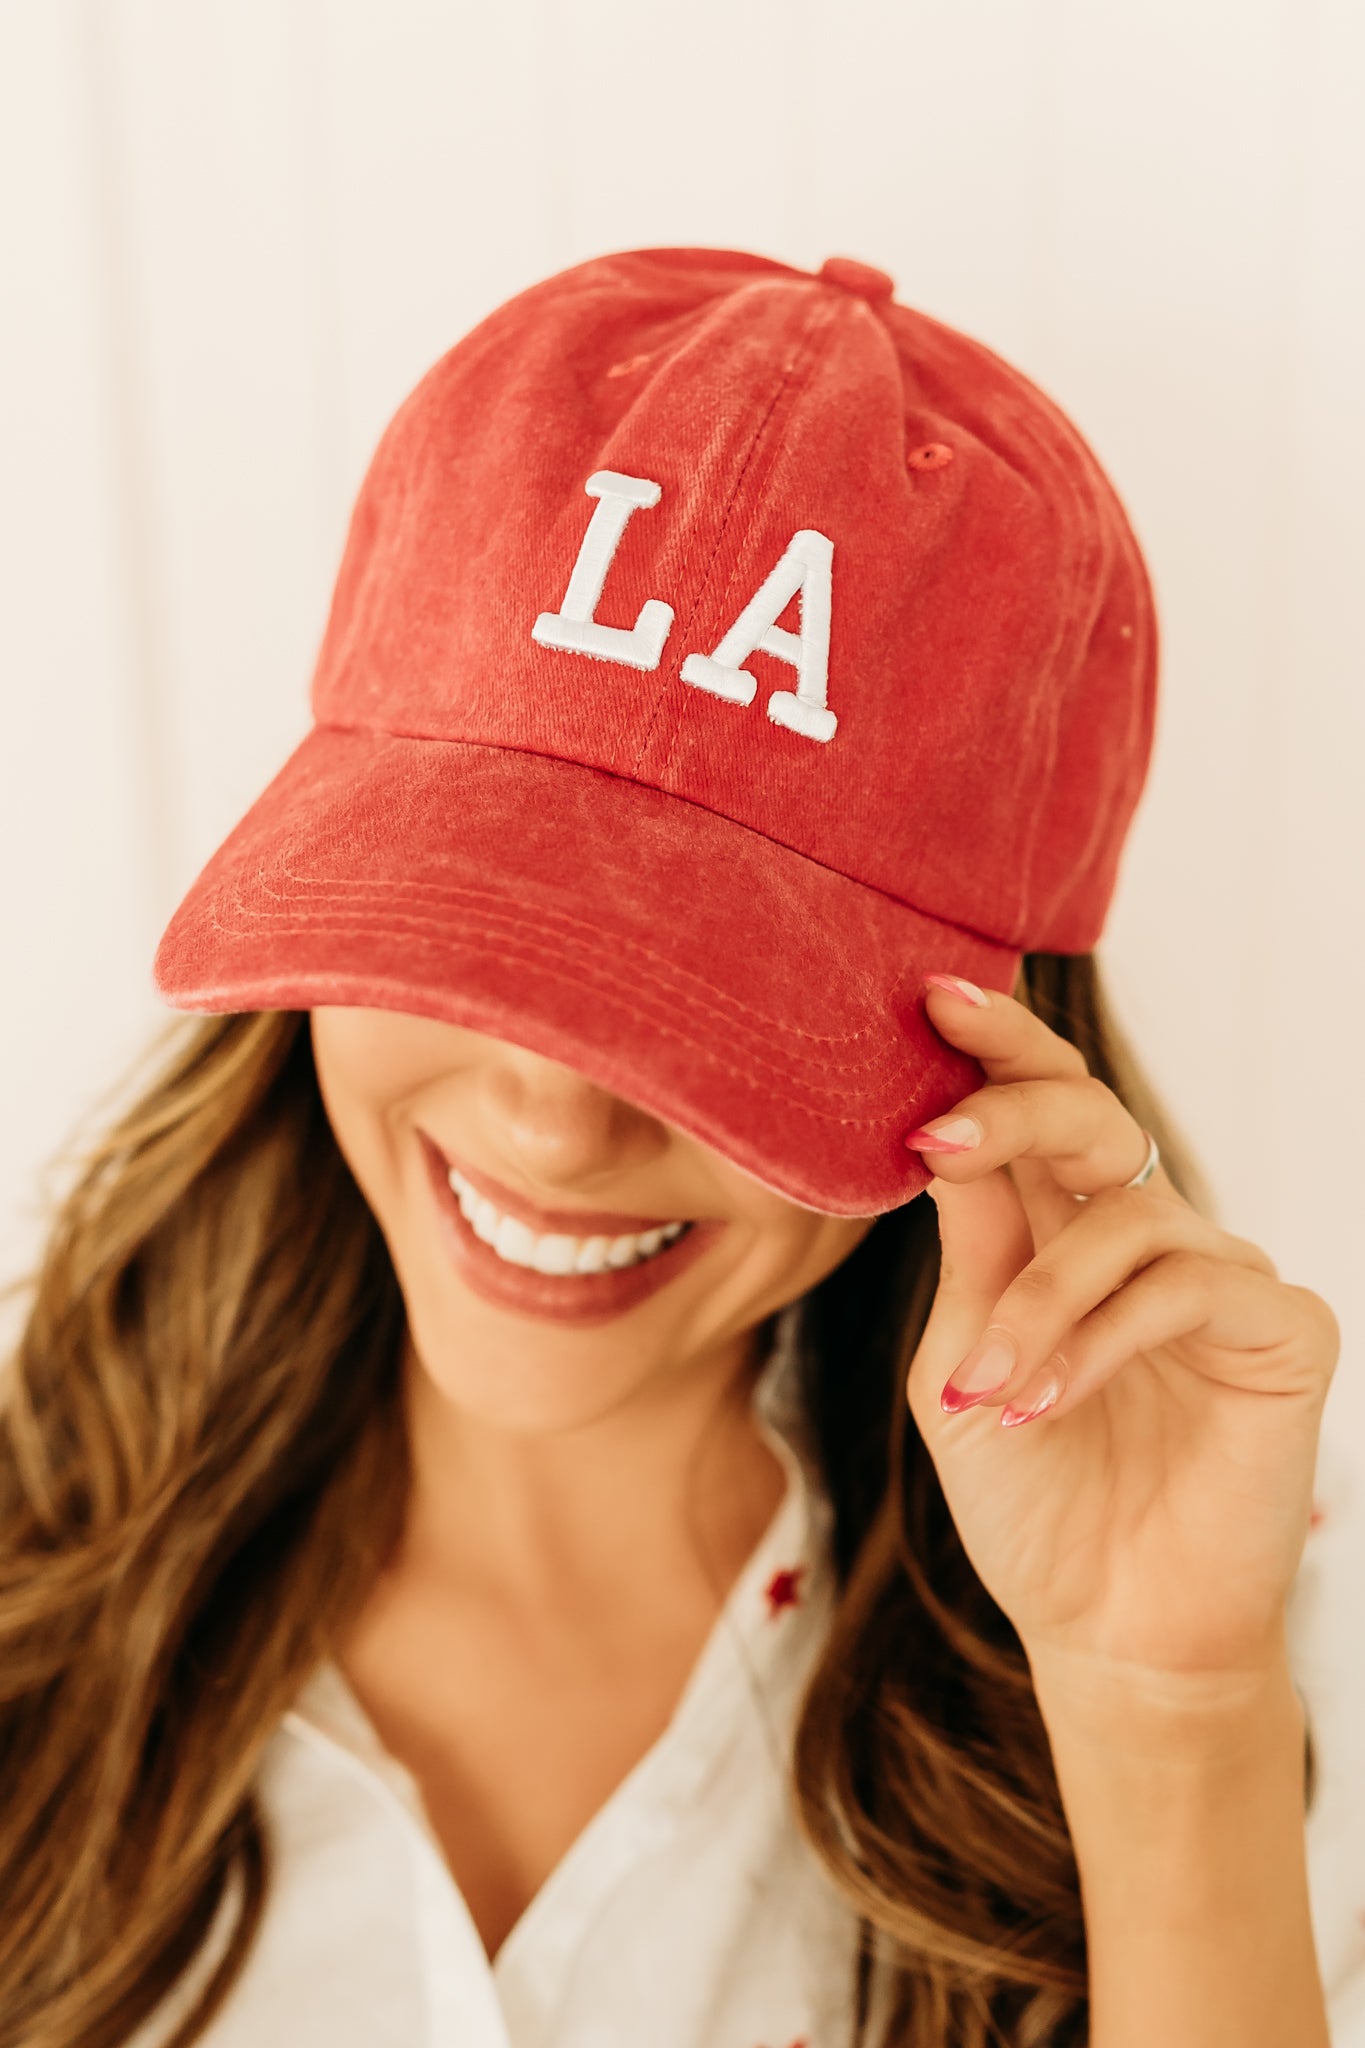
<point>1148,1166</point>
<point>1144,1172</point>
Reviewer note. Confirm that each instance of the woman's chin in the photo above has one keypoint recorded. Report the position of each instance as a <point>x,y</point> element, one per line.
<point>530,1381</point>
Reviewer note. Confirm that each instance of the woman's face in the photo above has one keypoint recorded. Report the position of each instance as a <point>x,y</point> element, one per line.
<point>562,1175</point>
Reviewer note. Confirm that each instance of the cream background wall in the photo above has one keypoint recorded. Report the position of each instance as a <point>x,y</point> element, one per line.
<point>234,235</point>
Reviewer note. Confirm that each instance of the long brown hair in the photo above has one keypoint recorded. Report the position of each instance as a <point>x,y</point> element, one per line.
<point>203,1467</point>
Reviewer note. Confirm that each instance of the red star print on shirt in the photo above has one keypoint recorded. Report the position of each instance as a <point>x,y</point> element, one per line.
<point>784,1589</point>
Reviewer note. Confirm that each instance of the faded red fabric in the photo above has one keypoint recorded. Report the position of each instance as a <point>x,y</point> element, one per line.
<point>714,916</point>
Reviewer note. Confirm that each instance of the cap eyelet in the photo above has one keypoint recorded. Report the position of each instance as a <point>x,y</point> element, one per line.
<point>933,455</point>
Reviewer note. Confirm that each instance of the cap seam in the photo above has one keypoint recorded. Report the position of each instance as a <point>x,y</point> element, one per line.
<point>798,366</point>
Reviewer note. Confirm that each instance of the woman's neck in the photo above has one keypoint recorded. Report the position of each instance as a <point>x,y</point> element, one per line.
<point>550,1596</point>
<point>673,1488</point>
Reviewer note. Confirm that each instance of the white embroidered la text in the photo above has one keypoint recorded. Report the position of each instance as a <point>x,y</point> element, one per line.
<point>805,572</point>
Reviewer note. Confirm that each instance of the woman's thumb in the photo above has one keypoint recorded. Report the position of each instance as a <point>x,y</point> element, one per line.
<point>985,1240</point>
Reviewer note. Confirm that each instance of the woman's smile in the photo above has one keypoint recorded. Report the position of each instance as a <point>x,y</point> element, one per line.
<point>529,1211</point>
<point>526,1259</point>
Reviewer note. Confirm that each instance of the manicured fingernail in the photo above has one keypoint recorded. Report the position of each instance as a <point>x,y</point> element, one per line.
<point>983,1371</point>
<point>956,986</point>
<point>946,1134</point>
<point>1039,1394</point>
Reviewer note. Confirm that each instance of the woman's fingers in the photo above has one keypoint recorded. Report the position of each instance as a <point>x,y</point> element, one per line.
<point>984,1240</point>
<point>1041,1102</point>
<point>1011,1043</point>
<point>1236,1310</point>
<point>1050,1208</point>
<point>1118,1233</point>
<point>1076,1124</point>
<point>1052,1296</point>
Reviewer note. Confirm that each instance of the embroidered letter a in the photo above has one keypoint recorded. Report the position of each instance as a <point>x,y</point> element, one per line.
<point>807,567</point>
<point>573,626</point>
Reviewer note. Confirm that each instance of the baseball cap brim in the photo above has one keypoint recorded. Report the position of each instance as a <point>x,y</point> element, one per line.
<point>760,1002</point>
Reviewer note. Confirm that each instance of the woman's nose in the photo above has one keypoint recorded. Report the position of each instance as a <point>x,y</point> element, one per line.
<point>559,1127</point>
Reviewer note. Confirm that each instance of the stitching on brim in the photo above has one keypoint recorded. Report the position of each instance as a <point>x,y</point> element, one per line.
<point>385,742</point>
<point>491,911</point>
<point>557,968</point>
<point>547,960</point>
<point>672,983</point>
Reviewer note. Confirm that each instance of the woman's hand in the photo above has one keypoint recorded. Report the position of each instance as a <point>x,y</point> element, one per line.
<point>1147,1525</point>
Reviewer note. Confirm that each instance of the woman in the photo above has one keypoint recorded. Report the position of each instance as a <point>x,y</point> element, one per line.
<point>494,1548</point>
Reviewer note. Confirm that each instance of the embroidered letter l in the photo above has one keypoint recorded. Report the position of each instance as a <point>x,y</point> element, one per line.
<point>573,627</point>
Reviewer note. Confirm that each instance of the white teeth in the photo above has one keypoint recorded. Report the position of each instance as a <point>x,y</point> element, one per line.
<point>556,1253</point>
<point>514,1242</point>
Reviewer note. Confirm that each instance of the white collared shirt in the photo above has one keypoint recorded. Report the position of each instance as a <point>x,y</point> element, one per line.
<point>690,1913</point>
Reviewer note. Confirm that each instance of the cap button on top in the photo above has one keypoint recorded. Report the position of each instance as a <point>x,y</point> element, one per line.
<point>862,279</point>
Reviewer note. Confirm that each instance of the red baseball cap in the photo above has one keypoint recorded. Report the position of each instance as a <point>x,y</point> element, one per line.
<point>718,648</point>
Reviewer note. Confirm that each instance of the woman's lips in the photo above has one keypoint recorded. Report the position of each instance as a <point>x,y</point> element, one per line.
<point>563,1298</point>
